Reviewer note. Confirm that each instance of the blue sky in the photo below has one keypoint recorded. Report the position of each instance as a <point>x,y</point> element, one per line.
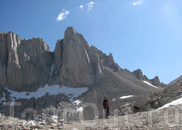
<point>145,34</point>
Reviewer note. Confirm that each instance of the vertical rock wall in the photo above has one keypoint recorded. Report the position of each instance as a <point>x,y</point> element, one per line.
<point>3,60</point>
<point>78,66</point>
<point>24,64</point>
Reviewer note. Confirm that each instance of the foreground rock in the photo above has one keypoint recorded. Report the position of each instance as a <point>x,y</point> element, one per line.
<point>154,100</point>
<point>169,119</point>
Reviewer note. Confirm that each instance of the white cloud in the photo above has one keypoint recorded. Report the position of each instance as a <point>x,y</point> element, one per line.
<point>81,7</point>
<point>62,15</point>
<point>90,5</point>
<point>137,3</point>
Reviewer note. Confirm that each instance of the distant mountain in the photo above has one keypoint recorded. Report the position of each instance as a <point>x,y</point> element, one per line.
<point>139,75</point>
<point>30,68</point>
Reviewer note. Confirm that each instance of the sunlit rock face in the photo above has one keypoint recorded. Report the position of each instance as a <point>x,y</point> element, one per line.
<point>75,60</point>
<point>25,63</point>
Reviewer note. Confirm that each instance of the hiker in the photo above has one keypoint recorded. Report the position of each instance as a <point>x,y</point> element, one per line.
<point>106,107</point>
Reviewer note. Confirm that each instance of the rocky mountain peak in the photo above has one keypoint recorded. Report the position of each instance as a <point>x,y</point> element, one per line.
<point>156,81</point>
<point>2,32</point>
<point>75,61</point>
<point>70,31</point>
<point>139,75</point>
<point>110,58</point>
<point>24,62</point>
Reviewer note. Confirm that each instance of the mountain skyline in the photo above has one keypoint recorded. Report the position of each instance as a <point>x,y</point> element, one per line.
<point>137,35</point>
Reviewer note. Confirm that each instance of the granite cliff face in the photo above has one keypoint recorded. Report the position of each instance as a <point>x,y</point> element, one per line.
<point>29,64</point>
<point>25,64</point>
<point>75,61</point>
<point>3,60</point>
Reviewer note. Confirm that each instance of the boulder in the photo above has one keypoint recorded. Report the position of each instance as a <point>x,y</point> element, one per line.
<point>141,102</point>
<point>163,101</point>
<point>49,121</point>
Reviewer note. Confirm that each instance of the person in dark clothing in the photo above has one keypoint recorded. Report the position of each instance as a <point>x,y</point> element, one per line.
<point>106,107</point>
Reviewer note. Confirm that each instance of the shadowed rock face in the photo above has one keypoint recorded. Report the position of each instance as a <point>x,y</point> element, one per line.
<point>3,60</point>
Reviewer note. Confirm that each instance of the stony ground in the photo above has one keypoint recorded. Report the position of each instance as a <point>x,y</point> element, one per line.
<point>168,118</point>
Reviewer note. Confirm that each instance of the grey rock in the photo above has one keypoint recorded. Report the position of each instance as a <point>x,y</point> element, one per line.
<point>156,81</point>
<point>58,56</point>
<point>28,62</point>
<point>94,49</point>
<point>98,52</point>
<point>140,102</point>
<point>138,73</point>
<point>49,121</point>
<point>163,101</point>
<point>78,61</point>
<point>107,61</point>
<point>145,78</point>
<point>156,105</point>
<point>3,60</point>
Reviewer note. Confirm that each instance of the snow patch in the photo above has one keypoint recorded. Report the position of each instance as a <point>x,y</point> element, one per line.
<point>52,67</point>
<point>77,102</point>
<point>80,109</point>
<point>113,99</point>
<point>150,84</point>
<point>55,118</point>
<point>3,98</point>
<point>124,97</point>
<point>32,122</point>
<point>51,90</point>
<point>12,102</point>
<point>173,103</point>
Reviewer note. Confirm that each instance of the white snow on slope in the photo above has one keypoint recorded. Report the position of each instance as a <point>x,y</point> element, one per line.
<point>51,90</point>
<point>55,118</point>
<point>52,67</point>
<point>3,98</point>
<point>150,84</point>
<point>80,109</point>
<point>113,99</point>
<point>173,103</point>
<point>124,97</point>
<point>77,102</point>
